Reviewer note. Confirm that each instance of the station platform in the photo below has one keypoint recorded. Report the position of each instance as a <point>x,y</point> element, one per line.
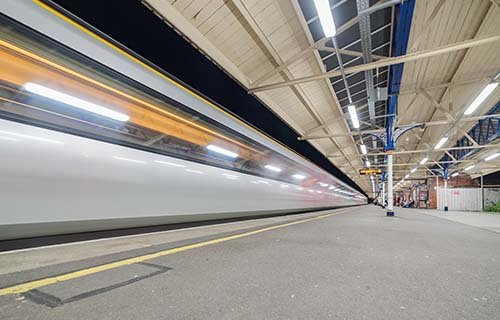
<point>484,220</point>
<point>348,263</point>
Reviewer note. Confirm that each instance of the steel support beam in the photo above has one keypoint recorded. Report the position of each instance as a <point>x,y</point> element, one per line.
<point>386,62</point>
<point>379,6</point>
<point>350,53</point>
<point>444,85</point>
<point>425,124</point>
<point>417,164</point>
<point>430,150</point>
<point>407,92</point>
<point>448,91</point>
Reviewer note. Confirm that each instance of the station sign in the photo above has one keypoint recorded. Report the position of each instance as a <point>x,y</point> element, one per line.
<point>368,171</point>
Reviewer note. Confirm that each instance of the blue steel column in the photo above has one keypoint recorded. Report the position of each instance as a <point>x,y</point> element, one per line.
<point>389,148</point>
<point>402,25</point>
<point>390,187</point>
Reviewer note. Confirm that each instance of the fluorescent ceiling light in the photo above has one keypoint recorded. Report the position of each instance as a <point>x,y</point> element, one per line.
<point>455,174</point>
<point>367,163</point>
<point>469,167</point>
<point>424,160</point>
<point>363,148</point>
<point>354,116</point>
<point>481,97</point>
<point>325,17</point>
<point>413,170</point>
<point>407,176</point>
<point>220,150</point>
<point>272,168</point>
<point>299,176</point>
<point>75,102</point>
<point>440,143</point>
<point>493,156</point>
<point>323,184</point>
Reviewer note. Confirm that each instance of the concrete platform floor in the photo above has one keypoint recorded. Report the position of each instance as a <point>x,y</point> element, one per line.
<point>484,220</point>
<point>353,264</point>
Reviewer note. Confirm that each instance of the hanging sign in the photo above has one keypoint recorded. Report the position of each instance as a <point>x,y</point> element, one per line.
<point>368,171</point>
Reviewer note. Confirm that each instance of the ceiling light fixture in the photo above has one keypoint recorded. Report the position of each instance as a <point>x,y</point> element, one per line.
<point>491,157</point>
<point>354,116</point>
<point>480,98</point>
<point>424,160</point>
<point>325,17</point>
<point>469,167</point>
<point>363,149</point>
<point>440,143</point>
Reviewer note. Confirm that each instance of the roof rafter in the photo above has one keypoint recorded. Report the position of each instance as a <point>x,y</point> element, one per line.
<point>386,62</point>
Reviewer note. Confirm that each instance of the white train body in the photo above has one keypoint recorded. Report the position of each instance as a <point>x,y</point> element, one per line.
<point>54,181</point>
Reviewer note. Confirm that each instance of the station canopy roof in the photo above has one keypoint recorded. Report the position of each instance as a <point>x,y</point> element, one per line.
<point>278,51</point>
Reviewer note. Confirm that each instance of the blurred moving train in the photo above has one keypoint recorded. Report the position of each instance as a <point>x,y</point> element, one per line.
<point>92,137</point>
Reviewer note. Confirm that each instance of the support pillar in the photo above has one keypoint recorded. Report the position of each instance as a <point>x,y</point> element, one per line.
<point>383,193</point>
<point>401,36</point>
<point>445,176</point>
<point>390,198</point>
<point>482,193</point>
<point>437,192</point>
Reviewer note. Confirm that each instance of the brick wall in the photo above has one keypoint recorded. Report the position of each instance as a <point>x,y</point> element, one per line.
<point>460,181</point>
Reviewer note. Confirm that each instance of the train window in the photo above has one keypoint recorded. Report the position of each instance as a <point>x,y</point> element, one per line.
<point>46,84</point>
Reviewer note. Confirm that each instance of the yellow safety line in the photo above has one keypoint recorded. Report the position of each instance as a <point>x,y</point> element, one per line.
<point>24,287</point>
<point>131,57</point>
